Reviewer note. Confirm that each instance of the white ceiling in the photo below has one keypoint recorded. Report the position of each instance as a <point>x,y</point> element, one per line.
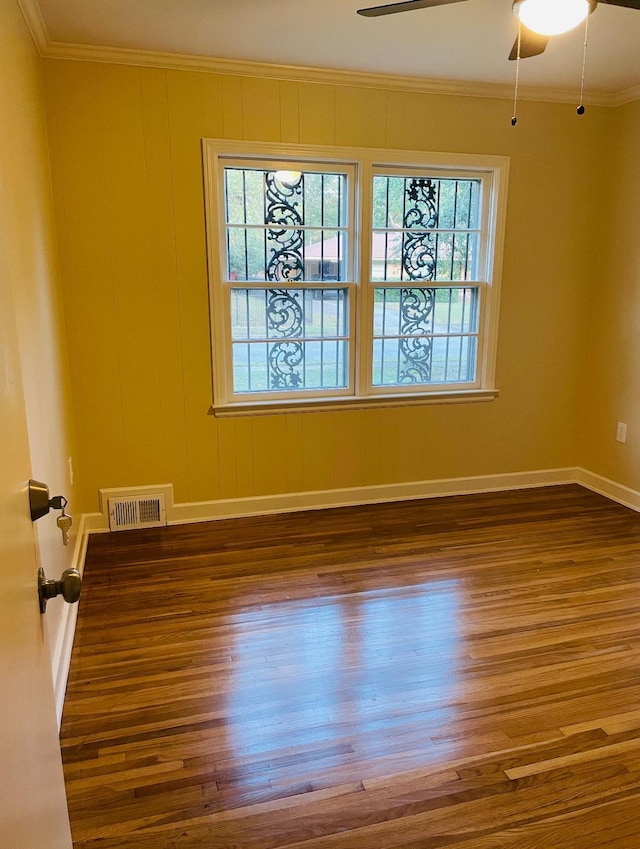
<point>467,41</point>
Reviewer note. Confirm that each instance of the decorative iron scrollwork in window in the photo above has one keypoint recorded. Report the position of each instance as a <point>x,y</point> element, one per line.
<point>284,313</point>
<point>416,318</point>
<point>285,319</point>
<point>283,197</point>
<point>285,358</point>
<point>419,249</point>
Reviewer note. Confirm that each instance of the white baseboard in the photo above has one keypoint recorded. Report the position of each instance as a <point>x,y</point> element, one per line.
<point>610,489</point>
<point>322,499</point>
<point>232,508</point>
<point>235,508</point>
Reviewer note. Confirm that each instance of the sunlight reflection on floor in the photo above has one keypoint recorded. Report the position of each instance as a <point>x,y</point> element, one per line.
<point>364,667</point>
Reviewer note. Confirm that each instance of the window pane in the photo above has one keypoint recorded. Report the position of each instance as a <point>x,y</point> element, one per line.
<point>456,310</point>
<point>324,201</point>
<point>244,196</point>
<point>403,311</point>
<point>425,229</point>
<point>402,361</point>
<point>425,203</point>
<point>285,226</point>
<point>454,359</point>
<point>324,255</point>
<point>459,204</point>
<point>286,256</point>
<point>246,252</point>
<point>386,257</point>
<point>425,335</point>
<point>424,256</point>
<point>289,339</point>
<point>289,365</point>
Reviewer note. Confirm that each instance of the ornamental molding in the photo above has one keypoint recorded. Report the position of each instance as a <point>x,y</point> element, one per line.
<point>177,61</point>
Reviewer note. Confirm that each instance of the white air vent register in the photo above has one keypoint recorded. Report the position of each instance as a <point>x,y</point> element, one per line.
<point>138,511</point>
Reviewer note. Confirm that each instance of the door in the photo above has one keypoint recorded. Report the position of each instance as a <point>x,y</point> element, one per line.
<point>33,809</point>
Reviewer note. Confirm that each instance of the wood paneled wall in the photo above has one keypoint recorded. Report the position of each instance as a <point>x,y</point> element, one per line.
<point>126,159</point>
<point>614,349</point>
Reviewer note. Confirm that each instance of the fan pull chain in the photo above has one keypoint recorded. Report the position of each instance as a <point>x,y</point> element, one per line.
<point>514,120</point>
<point>580,109</point>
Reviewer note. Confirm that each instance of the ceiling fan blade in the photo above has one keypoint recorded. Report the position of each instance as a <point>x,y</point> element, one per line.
<point>628,4</point>
<point>531,44</point>
<point>407,6</point>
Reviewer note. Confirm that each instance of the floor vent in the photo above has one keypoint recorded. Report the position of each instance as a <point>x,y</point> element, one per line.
<point>139,511</point>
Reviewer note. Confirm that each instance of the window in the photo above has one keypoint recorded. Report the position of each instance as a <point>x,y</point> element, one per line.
<point>425,239</point>
<point>288,269</point>
<point>351,278</point>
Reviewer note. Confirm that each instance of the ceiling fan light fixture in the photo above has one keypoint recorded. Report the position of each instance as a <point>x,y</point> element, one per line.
<point>551,17</point>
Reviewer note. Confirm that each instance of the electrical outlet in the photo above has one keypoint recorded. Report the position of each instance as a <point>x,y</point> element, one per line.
<point>621,433</point>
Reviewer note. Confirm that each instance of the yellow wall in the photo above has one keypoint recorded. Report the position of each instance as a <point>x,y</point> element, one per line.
<point>612,382</point>
<point>27,241</point>
<point>127,169</point>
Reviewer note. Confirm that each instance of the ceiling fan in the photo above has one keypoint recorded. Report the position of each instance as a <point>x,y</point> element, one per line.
<point>534,35</point>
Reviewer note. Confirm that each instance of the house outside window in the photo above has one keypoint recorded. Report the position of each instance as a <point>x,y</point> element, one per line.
<point>346,277</point>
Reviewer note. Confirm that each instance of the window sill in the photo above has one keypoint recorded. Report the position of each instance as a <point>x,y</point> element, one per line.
<point>306,405</point>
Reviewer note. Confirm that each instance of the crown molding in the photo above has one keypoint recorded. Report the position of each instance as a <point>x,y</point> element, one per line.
<point>627,95</point>
<point>327,76</point>
<point>33,16</point>
<point>176,61</point>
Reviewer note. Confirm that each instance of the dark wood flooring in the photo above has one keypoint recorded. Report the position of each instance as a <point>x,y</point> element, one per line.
<point>460,672</point>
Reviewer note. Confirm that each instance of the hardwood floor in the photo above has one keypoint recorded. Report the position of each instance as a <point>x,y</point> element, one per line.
<point>459,672</point>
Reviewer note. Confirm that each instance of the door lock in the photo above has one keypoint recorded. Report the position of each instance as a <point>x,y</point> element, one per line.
<point>40,503</point>
<point>69,587</point>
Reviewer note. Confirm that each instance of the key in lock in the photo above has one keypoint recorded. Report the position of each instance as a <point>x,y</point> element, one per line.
<point>64,522</point>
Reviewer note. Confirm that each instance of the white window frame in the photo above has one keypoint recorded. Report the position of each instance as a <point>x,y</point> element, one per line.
<point>361,165</point>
